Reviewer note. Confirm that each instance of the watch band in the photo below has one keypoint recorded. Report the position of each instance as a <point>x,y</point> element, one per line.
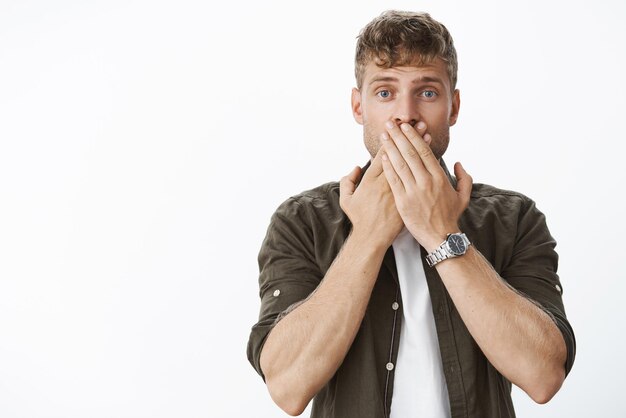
<point>438,255</point>
<point>444,251</point>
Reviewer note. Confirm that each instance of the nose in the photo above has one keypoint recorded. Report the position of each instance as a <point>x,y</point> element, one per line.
<point>406,111</point>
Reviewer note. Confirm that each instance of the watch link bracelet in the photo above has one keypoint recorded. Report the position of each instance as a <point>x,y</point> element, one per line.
<point>454,246</point>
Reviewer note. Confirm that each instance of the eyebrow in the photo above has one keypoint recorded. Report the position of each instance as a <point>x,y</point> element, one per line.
<point>425,79</point>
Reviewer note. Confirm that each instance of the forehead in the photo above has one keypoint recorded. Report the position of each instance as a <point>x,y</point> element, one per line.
<point>437,68</point>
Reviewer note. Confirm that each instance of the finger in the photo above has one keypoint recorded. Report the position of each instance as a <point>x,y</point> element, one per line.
<point>407,149</point>
<point>421,128</point>
<point>423,149</point>
<point>463,183</point>
<point>376,168</point>
<point>400,156</point>
<point>347,185</point>
<point>409,153</point>
<point>395,182</point>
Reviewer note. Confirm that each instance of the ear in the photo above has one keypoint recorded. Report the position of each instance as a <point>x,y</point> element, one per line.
<point>357,111</point>
<point>456,104</point>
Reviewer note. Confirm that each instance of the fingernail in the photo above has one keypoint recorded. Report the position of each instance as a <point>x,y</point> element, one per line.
<point>384,156</point>
<point>384,136</point>
<point>389,124</point>
<point>405,127</point>
<point>421,125</point>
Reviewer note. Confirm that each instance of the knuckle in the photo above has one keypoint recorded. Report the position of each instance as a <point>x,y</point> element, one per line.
<point>402,165</point>
<point>426,184</point>
<point>412,152</point>
<point>425,152</point>
<point>396,180</point>
<point>439,180</point>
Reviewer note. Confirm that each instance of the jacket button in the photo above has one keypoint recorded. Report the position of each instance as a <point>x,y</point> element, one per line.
<point>276,292</point>
<point>389,366</point>
<point>395,306</point>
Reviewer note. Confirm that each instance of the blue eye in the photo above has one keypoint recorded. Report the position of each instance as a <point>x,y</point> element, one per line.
<point>429,94</point>
<point>384,94</point>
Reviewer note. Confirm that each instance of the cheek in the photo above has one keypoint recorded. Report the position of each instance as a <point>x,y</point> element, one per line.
<point>436,117</point>
<point>376,110</point>
<point>373,123</point>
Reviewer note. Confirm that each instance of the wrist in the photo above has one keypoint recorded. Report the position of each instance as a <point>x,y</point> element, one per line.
<point>433,240</point>
<point>455,245</point>
<point>367,243</point>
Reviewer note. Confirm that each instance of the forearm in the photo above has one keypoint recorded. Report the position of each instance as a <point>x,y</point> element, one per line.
<point>516,336</point>
<point>305,348</point>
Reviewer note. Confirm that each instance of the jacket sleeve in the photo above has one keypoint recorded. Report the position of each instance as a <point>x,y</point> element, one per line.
<point>532,271</point>
<point>288,272</point>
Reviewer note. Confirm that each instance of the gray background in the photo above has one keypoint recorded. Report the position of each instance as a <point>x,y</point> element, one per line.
<point>145,144</point>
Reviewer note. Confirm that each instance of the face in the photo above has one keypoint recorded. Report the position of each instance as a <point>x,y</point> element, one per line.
<point>406,94</point>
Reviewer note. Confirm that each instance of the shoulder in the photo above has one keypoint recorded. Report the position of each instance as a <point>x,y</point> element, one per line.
<point>315,218</point>
<point>491,207</point>
<point>481,190</point>
<point>324,192</point>
<point>324,196</point>
<point>485,195</point>
<point>504,224</point>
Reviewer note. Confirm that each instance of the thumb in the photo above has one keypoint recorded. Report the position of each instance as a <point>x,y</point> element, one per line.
<point>347,185</point>
<point>464,183</point>
<point>376,168</point>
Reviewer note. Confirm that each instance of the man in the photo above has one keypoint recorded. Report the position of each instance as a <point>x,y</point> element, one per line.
<point>402,290</point>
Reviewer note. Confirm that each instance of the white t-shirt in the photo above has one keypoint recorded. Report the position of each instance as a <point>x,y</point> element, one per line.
<point>419,388</point>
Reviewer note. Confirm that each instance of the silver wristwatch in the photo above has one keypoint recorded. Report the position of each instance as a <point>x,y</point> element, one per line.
<point>454,246</point>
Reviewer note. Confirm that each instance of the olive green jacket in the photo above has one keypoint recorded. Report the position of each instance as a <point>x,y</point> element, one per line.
<point>305,235</point>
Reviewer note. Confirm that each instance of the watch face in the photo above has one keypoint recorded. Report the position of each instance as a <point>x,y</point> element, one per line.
<point>457,244</point>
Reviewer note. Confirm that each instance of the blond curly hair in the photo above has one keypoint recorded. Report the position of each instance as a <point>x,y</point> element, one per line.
<point>397,38</point>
